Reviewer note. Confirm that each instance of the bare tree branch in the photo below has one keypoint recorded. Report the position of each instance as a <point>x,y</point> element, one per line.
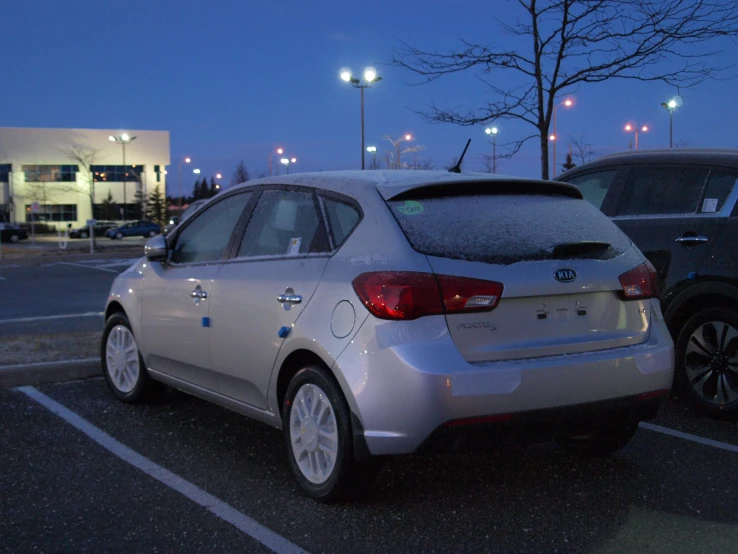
<point>573,42</point>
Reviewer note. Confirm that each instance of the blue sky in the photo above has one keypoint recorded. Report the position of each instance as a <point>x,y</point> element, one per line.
<point>233,80</point>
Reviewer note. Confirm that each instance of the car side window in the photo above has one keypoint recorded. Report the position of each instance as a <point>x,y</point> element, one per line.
<point>719,186</point>
<point>594,186</point>
<point>662,190</point>
<point>206,238</point>
<point>284,223</point>
<point>342,218</point>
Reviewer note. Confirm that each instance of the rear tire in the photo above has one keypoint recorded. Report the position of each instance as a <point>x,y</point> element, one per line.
<point>707,360</point>
<point>123,365</point>
<point>83,235</point>
<point>600,443</point>
<point>119,235</point>
<point>14,238</point>
<point>317,429</point>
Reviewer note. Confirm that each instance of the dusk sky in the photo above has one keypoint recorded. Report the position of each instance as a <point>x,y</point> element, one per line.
<point>234,80</point>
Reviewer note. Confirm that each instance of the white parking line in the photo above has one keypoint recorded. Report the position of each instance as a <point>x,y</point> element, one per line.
<point>90,267</point>
<point>220,509</point>
<point>689,437</point>
<point>50,317</point>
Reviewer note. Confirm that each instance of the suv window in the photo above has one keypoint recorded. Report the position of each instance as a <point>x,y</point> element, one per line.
<point>342,218</point>
<point>718,189</point>
<point>662,190</point>
<point>594,186</point>
<point>284,223</point>
<point>206,237</point>
<point>504,229</point>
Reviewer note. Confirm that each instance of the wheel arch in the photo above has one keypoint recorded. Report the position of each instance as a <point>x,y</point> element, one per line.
<point>697,297</point>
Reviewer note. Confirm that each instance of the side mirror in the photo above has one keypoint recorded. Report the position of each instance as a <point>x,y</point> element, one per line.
<point>156,249</point>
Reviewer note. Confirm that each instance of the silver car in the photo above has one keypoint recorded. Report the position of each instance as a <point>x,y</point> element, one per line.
<point>376,313</point>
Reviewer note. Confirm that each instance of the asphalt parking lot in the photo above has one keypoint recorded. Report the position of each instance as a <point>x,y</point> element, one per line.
<point>80,471</point>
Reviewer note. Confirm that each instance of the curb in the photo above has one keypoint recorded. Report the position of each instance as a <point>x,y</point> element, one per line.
<point>49,372</point>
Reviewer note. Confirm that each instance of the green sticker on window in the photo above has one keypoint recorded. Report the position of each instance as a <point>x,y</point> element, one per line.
<point>411,207</point>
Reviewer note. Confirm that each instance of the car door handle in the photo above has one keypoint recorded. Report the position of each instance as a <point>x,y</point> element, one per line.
<point>691,240</point>
<point>199,293</point>
<point>291,298</point>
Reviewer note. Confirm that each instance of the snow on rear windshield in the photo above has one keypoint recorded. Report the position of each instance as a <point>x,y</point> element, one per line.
<point>503,229</point>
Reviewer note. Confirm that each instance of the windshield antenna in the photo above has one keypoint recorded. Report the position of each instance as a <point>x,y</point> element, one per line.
<point>457,167</point>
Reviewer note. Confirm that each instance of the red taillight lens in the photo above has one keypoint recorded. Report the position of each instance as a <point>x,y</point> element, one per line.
<point>409,295</point>
<point>640,282</point>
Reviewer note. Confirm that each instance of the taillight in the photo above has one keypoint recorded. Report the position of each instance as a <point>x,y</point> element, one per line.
<point>640,282</point>
<point>409,295</point>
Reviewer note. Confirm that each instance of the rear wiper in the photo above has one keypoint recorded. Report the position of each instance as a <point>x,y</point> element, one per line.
<point>581,248</point>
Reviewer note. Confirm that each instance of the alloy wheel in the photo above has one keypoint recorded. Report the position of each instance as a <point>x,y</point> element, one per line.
<point>314,433</point>
<point>711,362</point>
<point>122,360</point>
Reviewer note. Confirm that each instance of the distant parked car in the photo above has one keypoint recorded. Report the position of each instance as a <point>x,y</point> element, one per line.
<point>680,207</point>
<point>176,220</point>
<point>134,229</point>
<point>11,233</point>
<point>99,229</point>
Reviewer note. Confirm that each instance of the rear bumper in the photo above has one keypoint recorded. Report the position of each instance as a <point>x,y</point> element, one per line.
<point>481,434</point>
<point>405,381</point>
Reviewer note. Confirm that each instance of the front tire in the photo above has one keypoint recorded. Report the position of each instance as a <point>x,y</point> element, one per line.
<point>707,360</point>
<point>123,365</point>
<point>601,443</point>
<point>317,429</point>
<point>14,238</point>
<point>119,235</point>
<point>83,235</point>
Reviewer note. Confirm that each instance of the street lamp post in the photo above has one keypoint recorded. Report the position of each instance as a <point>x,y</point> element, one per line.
<point>671,105</point>
<point>492,131</point>
<point>555,137</point>
<point>280,152</point>
<point>288,162</point>
<point>373,151</point>
<point>635,128</point>
<point>123,139</point>
<point>179,178</point>
<point>370,77</point>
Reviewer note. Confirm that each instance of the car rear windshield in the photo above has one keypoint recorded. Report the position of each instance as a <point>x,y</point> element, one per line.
<point>509,228</point>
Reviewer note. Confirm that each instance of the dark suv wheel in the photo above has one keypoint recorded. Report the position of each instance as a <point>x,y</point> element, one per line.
<point>707,360</point>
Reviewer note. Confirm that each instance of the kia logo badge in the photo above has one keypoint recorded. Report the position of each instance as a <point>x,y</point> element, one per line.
<point>565,275</point>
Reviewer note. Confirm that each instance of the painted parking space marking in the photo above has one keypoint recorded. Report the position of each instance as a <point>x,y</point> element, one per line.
<point>51,317</point>
<point>217,507</point>
<point>689,437</point>
<point>90,267</point>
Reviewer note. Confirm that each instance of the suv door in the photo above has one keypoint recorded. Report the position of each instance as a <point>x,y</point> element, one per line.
<point>664,210</point>
<point>175,302</point>
<point>259,295</point>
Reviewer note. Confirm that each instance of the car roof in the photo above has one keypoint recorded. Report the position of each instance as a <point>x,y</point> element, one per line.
<point>703,156</point>
<point>395,183</point>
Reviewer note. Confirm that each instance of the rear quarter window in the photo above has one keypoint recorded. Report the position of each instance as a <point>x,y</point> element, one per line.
<point>504,229</point>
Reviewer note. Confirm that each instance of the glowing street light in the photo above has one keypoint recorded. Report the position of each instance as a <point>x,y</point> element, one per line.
<point>370,77</point>
<point>196,171</point>
<point>408,137</point>
<point>287,162</point>
<point>634,128</point>
<point>568,103</point>
<point>672,105</point>
<point>492,131</point>
<point>185,160</point>
<point>373,151</point>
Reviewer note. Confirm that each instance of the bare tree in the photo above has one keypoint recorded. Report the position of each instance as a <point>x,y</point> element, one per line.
<point>394,156</point>
<point>84,157</point>
<point>581,150</point>
<point>240,174</point>
<point>575,42</point>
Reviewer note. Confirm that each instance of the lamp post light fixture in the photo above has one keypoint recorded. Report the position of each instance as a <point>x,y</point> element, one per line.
<point>370,77</point>
<point>288,162</point>
<point>635,128</point>
<point>671,105</point>
<point>123,139</point>
<point>373,151</point>
<point>492,131</point>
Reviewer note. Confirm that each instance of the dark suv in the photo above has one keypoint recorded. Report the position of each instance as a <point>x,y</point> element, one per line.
<point>679,208</point>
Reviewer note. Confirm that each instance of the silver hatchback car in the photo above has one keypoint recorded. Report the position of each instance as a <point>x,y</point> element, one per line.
<point>376,313</point>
